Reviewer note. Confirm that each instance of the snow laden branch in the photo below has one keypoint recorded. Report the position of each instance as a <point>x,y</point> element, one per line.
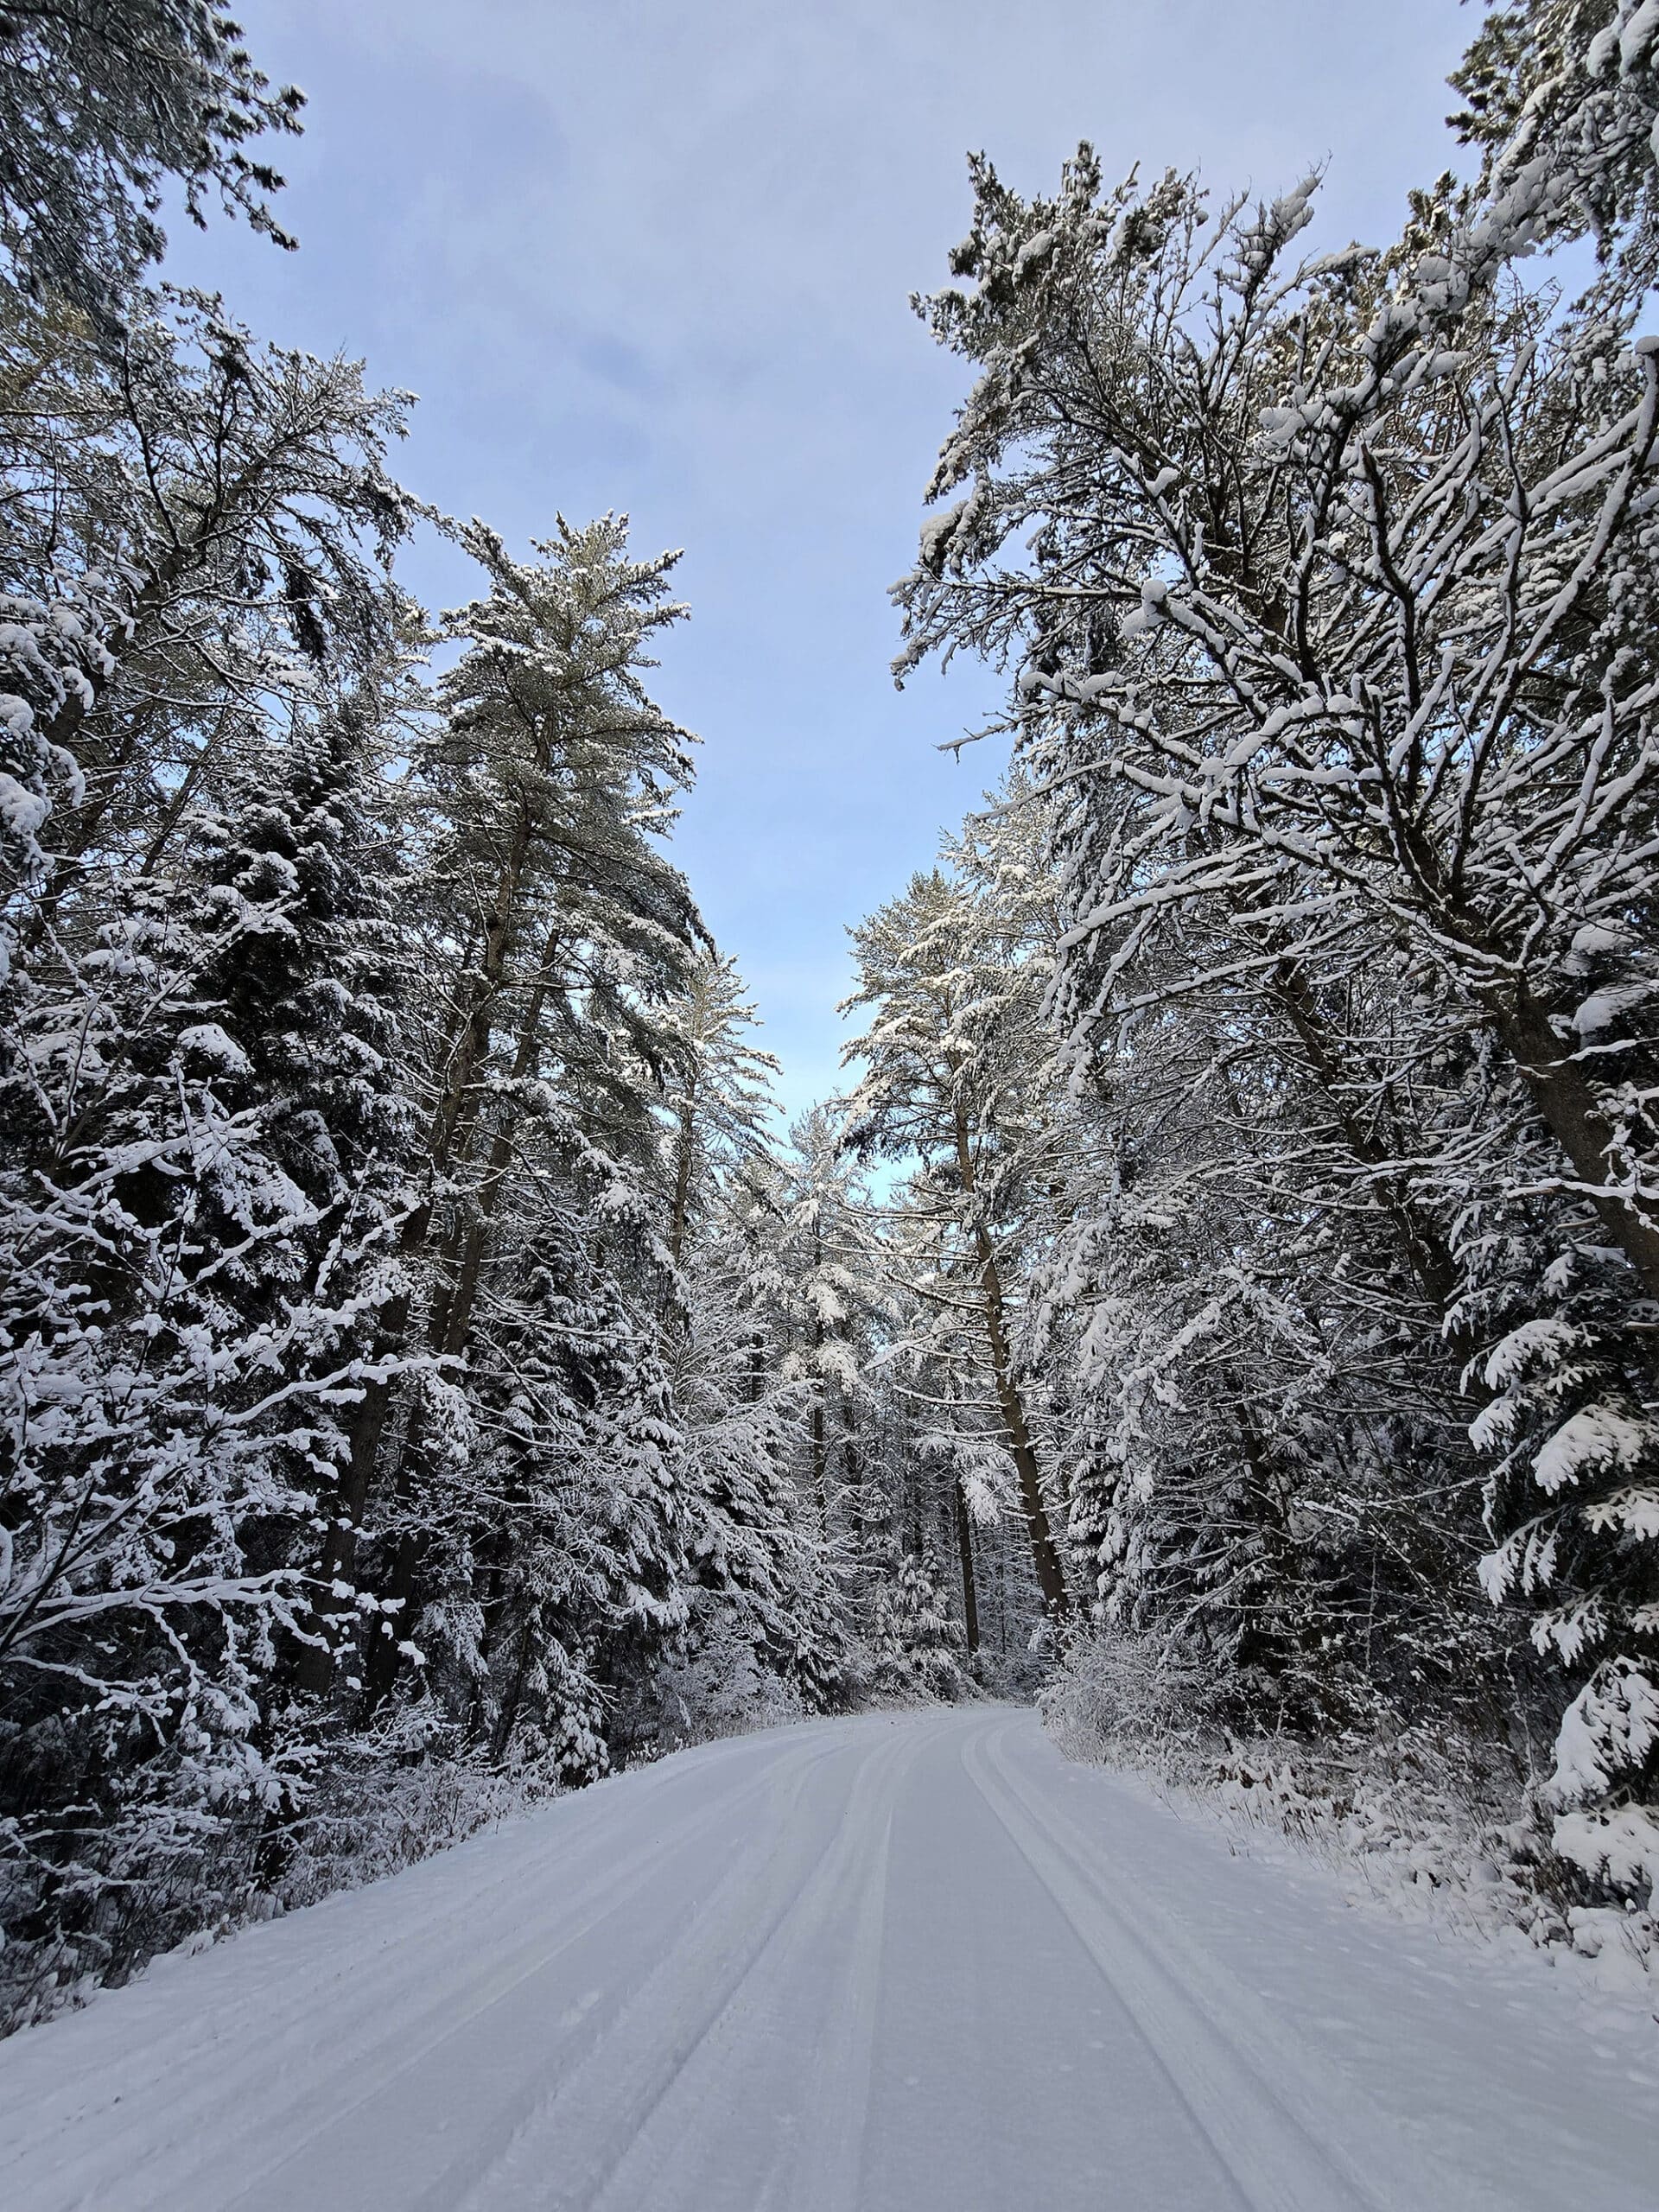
<point>1325,586</point>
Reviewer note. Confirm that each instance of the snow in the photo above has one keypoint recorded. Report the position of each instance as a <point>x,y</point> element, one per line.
<point>1594,1437</point>
<point>209,1042</point>
<point>1637,34</point>
<point>1605,1006</point>
<point>899,1962</point>
<point>939,530</point>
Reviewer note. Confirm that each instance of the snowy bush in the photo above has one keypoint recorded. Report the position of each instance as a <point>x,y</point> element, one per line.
<point>1431,1817</point>
<point>715,1685</point>
<point>1120,1698</point>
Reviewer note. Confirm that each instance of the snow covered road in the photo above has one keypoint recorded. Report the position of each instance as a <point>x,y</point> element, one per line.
<point>904,1963</point>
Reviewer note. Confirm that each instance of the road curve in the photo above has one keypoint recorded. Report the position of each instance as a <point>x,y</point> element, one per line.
<point>900,1963</point>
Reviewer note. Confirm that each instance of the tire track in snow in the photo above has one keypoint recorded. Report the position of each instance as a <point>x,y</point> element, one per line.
<point>656,2038</point>
<point>832,2152</point>
<point>1265,2102</point>
<point>461,1970</point>
<point>584,2025</point>
<point>1221,2097</point>
<point>367,1968</point>
<point>828,1943</point>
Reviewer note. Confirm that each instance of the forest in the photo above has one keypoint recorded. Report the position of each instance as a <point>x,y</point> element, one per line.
<point>1222,1303</point>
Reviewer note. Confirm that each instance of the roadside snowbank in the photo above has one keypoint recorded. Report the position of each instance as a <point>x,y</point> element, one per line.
<point>1408,1820</point>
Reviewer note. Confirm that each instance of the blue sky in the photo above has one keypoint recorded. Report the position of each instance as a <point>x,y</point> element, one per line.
<point>657,257</point>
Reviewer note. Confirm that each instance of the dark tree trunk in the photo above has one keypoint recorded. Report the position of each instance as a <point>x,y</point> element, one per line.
<point>965,1552</point>
<point>1051,1576</point>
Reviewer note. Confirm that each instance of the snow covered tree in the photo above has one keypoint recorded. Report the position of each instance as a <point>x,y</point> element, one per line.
<point>769,1608</point>
<point>768,1604</point>
<point>722,1093</point>
<point>1334,647</point>
<point>554,1516</point>
<point>1562,101</point>
<point>830,1274</point>
<point>1378,797</point>
<point>198,1022</point>
<point>195,527</point>
<point>918,1644</point>
<point>949,1078</point>
<point>237,496</point>
<point>559,927</point>
<point>103,102</point>
<point>192,1213</point>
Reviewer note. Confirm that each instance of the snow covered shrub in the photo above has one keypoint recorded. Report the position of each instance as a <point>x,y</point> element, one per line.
<point>1121,1698</point>
<point>383,1798</point>
<point>1431,1813</point>
<point>122,1837</point>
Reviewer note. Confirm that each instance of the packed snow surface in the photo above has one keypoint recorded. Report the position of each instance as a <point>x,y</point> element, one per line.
<point>899,1962</point>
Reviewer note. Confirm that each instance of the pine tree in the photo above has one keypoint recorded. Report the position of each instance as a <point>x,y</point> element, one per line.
<point>1349,770</point>
<point>831,1278</point>
<point>560,928</point>
<point>563,1517</point>
<point>769,1606</point>
<point>189,1274</point>
<point>194,524</point>
<point>100,107</point>
<point>722,1092</point>
<point>949,1077</point>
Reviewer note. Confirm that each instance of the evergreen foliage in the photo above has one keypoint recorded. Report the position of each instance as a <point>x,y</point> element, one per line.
<point>1324,587</point>
<point>918,1644</point>
<point>429,1379</point>
<point>102,101</point>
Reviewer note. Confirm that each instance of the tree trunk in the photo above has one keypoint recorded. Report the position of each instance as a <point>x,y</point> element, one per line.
<point>1425,1249</point>
<point>1568,1101</point>
<point>207,751</point>
<point>852,1468</point>
<point>1051,1578</point>
<point>331,1611</point>
<point>965,1552</point>
<point>820,1452</point>
<point>460,1272</point>
<point>820,1457</point>
<point>340,1544</point>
